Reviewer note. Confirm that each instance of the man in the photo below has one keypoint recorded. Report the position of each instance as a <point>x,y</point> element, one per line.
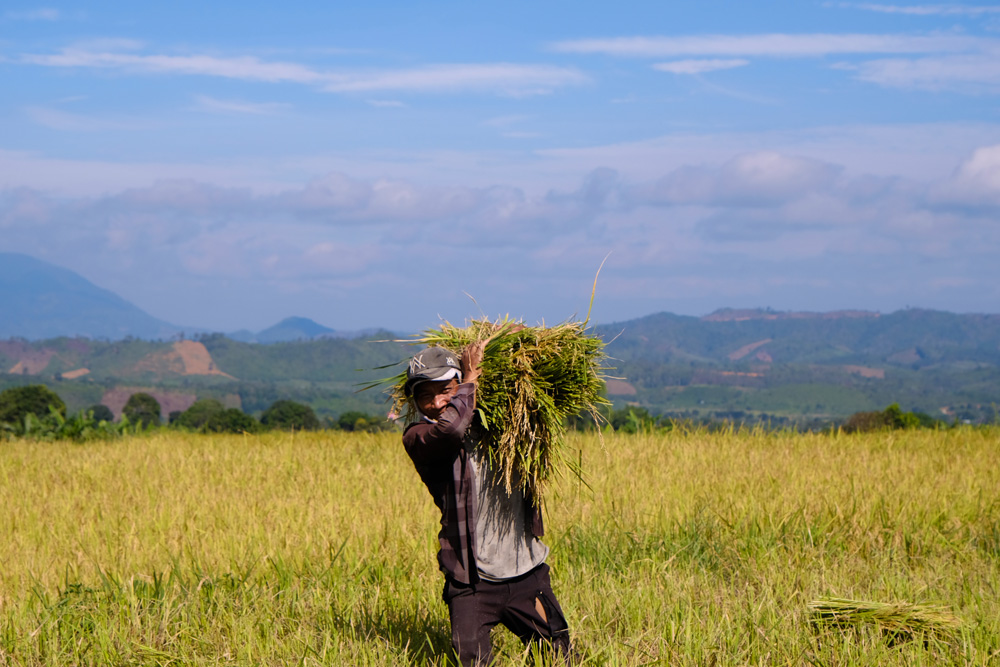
<point>491,555</point>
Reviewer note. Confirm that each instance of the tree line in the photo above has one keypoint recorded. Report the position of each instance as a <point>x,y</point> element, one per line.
<point>37,411</point>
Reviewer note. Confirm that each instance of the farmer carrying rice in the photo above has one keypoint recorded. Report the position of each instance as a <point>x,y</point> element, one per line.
<point>491,554</point>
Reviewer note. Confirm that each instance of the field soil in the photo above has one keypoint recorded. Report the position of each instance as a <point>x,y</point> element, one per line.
<point>185,357</point>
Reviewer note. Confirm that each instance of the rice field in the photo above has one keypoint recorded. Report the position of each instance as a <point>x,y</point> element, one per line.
<point>683,548</point>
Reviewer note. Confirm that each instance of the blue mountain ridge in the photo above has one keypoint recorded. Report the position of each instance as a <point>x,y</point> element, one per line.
<point>39,300</point>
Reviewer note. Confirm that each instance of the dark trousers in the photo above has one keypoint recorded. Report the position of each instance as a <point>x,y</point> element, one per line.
<point>524,605</point>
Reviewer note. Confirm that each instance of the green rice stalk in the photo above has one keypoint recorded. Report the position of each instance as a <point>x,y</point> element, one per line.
<point>893,617</point>
<point>531,380</point>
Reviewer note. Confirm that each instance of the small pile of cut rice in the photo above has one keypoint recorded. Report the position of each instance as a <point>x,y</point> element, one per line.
<point>898,618</point>
<point>532,379</point>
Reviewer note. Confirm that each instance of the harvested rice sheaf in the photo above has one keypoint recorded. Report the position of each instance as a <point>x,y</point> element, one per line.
<point>894,617</point>
<point>532,379</point>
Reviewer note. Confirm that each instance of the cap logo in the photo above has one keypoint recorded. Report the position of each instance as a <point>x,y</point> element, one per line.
<point>418,364</point>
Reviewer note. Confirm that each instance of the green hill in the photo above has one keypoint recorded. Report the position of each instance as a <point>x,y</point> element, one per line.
<point>751,365</point>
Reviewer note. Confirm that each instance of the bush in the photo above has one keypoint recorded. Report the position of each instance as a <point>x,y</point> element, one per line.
<point>200,412</point>
<point>290,416</point>
<point>893,417</point>
<point>231,421</point>
<point>18,402</point>
<point>141,408</point>
<point>353,420</point>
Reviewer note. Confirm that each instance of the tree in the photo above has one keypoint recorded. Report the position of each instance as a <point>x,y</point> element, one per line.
<point>896,418</point>
<point>199,413</point>
<point>893,417</point>
<point>353,420</point>
<point>290,416</point>
<point>36,399</point>
<point>101,413</point>
<point>231,421</point>
<point>142,408</point>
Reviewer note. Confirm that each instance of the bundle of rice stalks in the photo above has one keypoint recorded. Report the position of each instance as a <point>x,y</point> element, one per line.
<point>532,379</point>
<point>895,618</point>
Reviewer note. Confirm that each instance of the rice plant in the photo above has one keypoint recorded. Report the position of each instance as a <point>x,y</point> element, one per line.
<point>896,618</point>
<point>532,379</point>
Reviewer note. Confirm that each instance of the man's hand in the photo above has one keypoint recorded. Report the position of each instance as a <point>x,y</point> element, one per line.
<point>472,355</point>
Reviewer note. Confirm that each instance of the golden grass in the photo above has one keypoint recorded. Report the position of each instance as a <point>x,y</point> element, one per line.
<point>686,549</point>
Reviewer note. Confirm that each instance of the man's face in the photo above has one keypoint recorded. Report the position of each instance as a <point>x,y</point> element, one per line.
<point>432,397</point>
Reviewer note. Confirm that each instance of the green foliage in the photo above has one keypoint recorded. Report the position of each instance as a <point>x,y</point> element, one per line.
<point>198,414</point>
<point>18,402</point>
<point>101,413</point>
<point>353,420</point>
<point>141,408</point>
<point>231,420</point>
<point>822,368</point>
<point>81,427</point>
<point>361,422</point>
<point>896,418</point>
<point>632,420</point>
<point>892,418</point>
<point>288,415</point>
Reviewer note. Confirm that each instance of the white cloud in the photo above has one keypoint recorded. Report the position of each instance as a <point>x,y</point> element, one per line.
<point>246,67</point>
<point>700,66</point>
<point>215,105</point>
<point>920,10</point>
<point>775,45</point>
<point>501,78</point>
<point>386,104</point>
<point>759,216</point>
<point>975,183</point>
<point>961,73</point>
<point>763,178</point>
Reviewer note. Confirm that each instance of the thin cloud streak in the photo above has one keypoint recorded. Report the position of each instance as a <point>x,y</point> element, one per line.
<point>774,45</point>
<point>700,66</point>
<point>922,10</point>
<point>503,78</point>
<point>214,105</point>
<point>246,68</point>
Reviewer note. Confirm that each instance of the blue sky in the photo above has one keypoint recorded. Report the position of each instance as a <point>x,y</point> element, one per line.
<point>375,164</point>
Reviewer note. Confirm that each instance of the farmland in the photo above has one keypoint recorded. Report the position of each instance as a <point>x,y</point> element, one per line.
<point>681,548</point>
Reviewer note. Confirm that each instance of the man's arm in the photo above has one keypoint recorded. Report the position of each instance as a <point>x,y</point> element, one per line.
<point>472,356</point>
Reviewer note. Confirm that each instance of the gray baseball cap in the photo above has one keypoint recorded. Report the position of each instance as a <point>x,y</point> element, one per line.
<point>432,364</point>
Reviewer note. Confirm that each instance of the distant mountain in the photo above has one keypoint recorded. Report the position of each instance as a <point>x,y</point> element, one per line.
<point>41,300</point>
<point>293,328</point>
<point>911,338</point>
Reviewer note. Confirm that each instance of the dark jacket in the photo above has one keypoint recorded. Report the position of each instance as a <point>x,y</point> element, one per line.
<point>439,451</point>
